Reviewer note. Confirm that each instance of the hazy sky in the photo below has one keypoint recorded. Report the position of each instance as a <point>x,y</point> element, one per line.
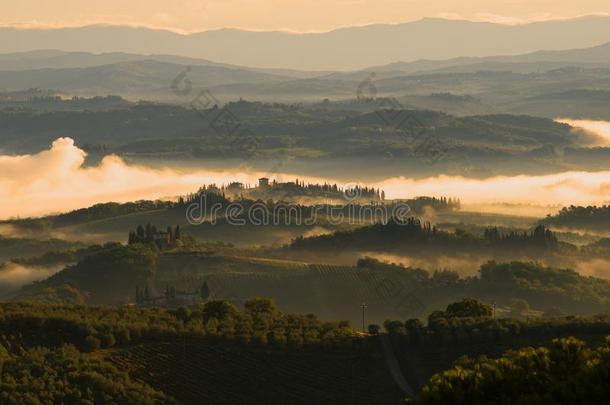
<point>293,15</point>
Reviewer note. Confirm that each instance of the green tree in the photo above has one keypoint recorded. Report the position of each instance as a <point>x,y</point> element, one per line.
<point>219,310</point>
<point>204,291</point>
<point>183,313</point>
<point>567,372</point>
<point>394,327</point>
<point>468,307</point>
<point>260,306</point>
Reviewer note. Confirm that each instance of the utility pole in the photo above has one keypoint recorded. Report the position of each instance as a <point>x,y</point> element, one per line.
<point>364,307</point>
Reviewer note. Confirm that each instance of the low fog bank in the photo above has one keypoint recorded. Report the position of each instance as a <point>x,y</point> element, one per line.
<point>599,268</point>
<point>599,131</point>
<point>10,231</point>
<point>532,211</point>
<point>468,265</point>
<point>56,180</point>
<point>465,265</point>
<point>565,188</point>
<point>13,276</point>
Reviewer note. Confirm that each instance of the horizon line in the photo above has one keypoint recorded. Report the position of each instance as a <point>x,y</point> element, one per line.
<point>55,27</point>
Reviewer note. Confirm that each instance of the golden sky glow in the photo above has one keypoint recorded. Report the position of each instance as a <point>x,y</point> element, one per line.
<point>292,15</point>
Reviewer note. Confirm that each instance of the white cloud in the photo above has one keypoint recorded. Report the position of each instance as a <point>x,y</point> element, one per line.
<point>55,180</point>
<point>600,129</point>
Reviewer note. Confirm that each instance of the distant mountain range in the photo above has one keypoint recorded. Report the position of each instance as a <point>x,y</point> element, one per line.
<point>530,62</point>
<point>131,78</point>
<point>574,83</point>
<point>55,59</point>
<point>598,56</point>
<point>342,49</point>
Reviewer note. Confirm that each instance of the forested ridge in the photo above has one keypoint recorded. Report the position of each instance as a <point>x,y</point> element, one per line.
<point>21,247</point>
<point>307,134</point>
<point>591,218</point>
<point>568,371</point>
<point>93,213</point>
<point>51,353</point>
<point>112,273</point>
<point>65,375</point>
<point>78,353</point>
<point>412,235</point>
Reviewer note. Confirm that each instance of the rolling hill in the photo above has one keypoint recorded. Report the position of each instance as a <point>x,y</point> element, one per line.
<point>525,63</point>
<point>54,59</point>
<point>128,78</point>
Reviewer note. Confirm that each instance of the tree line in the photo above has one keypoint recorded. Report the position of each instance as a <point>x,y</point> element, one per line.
<point>150,234</point>
<point>568,371</point>
<point>592,218</point>
<point>90,328</point>
<point>413,234</point>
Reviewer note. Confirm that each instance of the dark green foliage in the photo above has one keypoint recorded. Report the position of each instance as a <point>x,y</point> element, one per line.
<point>93,213</point>
<point>120,274</point>
<point>414,325</point>
<point>265,353</point>
<point>590,218</point>
<point>60,294</point>
<point>394,327</point>
<point>218,310</point>
<point>183,314</point>
<point>159,340</point>
<point>259,307</point>
<point>204,291</point>
<point>151,235</point>
<point>107,210</point>
<point>468,307</point>
<point>58,257</point>
<point>23,248</point>
<point>539,285</point>
<point>567,372</point>
<point>90,328</point>
<point>92,343</point>
<point>413,236</point>
<point>477,326</point>
<point>335,132</point>
<point>114,271</point>
<point>66,376</point>
<point>295,191</point>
